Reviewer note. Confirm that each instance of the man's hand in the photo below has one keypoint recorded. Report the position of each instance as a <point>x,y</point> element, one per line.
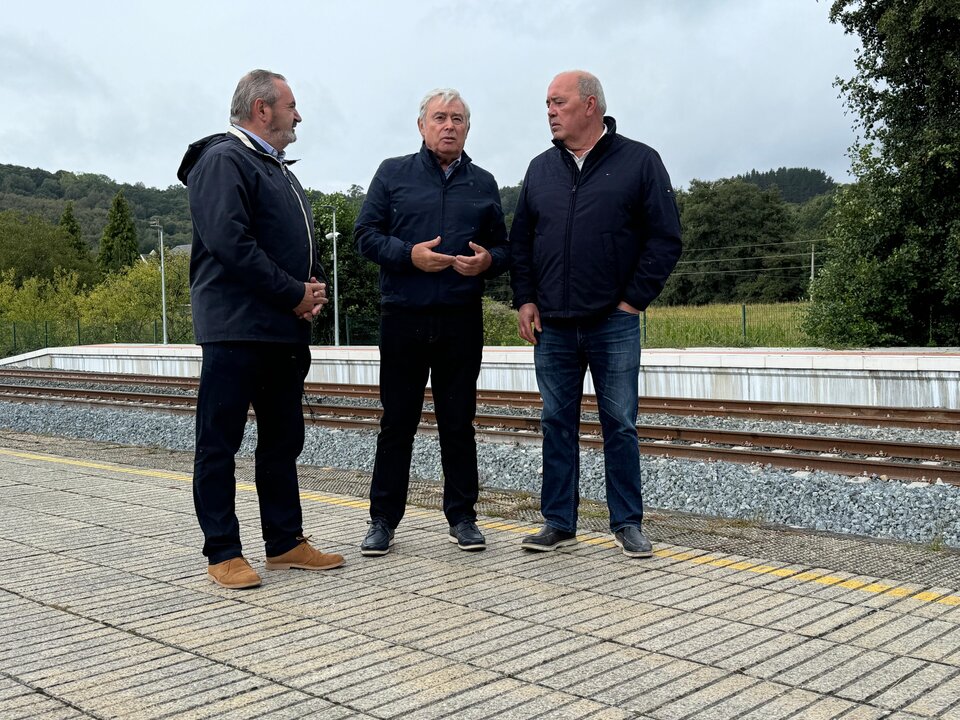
<point>627,307</point>
<point>475,264</point>
<point>314,298</point>
<point>527,321</point>
<point>426,259</point>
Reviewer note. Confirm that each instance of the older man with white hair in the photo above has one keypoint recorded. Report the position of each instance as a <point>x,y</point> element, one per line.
<point>433,223</point>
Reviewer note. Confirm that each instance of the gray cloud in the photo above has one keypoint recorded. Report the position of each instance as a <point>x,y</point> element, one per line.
<point>718,88</point>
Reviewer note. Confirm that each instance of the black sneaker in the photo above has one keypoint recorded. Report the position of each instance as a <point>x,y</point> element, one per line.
<point>379,538</point>
<point>549,538</point>
<point>467,536</point>
<point>633,542</point>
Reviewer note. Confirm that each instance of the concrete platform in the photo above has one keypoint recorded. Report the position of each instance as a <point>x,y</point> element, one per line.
<point>885,377</point>
<point>105,612</point>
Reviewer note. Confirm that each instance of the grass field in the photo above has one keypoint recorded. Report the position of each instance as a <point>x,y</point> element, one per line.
<point>773,325</point>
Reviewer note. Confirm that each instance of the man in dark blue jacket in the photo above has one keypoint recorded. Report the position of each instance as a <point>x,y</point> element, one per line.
<point>595,235</point>
<point>432,221</point>
<point>253,292</point>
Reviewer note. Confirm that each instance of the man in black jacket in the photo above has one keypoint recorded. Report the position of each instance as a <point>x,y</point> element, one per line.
<point>595,235</point>
<point>254,292</point>
<point>432,221</point>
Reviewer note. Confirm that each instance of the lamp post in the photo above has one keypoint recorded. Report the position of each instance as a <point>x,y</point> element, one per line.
<point>155,223</point>
<point>336,306</point>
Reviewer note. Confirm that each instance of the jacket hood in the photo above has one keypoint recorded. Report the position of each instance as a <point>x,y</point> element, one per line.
<point>194,151</point>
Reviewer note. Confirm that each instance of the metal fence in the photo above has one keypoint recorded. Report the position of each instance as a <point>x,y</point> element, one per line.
<point>774,325</point>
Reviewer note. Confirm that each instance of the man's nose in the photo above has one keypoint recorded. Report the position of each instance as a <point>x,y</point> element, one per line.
<point>296,116</point>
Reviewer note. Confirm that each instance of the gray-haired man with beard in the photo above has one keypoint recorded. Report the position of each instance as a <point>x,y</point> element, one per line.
<point>254,292</point>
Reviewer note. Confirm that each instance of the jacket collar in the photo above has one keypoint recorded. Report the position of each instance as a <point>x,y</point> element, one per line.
<point>430,160</point>
<point>245,139</point>
<point>604,140</point>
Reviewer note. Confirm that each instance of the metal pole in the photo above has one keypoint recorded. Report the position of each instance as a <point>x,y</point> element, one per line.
<point>163,288</point>
<point>336,301</point>
<point>163,280</point>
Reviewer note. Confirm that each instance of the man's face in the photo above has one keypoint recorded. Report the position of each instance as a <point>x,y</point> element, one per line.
<point>282,117</point>
<point>568,115</point>
<point>444,128</point>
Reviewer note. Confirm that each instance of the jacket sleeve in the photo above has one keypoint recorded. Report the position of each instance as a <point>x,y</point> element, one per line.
<point>523,279</point>
<point>495,238</point>
<point>372,230</point>
<point>660,234</point>
<point>221,210</point>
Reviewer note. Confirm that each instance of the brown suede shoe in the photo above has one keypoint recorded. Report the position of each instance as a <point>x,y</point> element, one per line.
<point>234,573</point>
<point>305,557</point>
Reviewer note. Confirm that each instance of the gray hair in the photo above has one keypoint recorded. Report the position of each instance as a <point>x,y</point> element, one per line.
<point>588,85</point>
<point>448,95</point>
<point>255,84</point>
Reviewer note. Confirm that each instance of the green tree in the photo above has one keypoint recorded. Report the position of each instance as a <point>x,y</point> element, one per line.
<point>32,247</point>
<point>358,280</point>
<point>118,244</point>
<point>796,185</point>
<point>739,246</point>
<point>499,323</point>
<point>892,274</point>
<point>127,304</point>
<point>71,226</point>
<point>36,300</point>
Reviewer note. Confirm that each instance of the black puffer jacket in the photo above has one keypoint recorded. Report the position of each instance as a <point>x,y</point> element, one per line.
<point>253,242</point>
<point>409,202</point>
<point>582,241</point>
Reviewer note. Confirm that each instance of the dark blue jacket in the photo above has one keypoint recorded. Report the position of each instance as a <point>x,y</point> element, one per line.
<point>582,241</point>
<point>409,202</point>
<point>253,242</point>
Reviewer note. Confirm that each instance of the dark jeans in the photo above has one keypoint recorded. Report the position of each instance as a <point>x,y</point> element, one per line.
<point>611,349</point>
<point>447,345</point>
<point>234,376</point>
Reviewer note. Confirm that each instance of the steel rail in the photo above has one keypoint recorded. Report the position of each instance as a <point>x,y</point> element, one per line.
<point>669,441</point>
<point>918,418</point>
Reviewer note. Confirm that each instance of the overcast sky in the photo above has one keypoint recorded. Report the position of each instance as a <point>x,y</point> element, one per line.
<point>718,87</point>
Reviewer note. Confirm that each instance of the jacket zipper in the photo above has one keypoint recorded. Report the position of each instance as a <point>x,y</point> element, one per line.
<point>568,235</point>
<point>306,219</point>
<point>283,168</point>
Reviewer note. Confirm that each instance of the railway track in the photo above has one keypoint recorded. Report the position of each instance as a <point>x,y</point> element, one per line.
<point>901,461</point>
<point>915,418</point>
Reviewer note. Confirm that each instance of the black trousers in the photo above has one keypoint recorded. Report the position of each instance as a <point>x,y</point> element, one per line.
<point>234,376</point>
<point>446,345</point>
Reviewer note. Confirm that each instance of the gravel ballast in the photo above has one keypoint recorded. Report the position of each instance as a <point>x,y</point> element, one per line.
<point>915,512</point>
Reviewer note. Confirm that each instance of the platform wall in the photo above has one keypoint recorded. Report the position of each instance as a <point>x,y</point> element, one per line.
<point>906,378</point>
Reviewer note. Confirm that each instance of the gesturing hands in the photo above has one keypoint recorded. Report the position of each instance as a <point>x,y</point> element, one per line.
<point>475,264</point>
<point>314,298</point>
<point>424,258</point>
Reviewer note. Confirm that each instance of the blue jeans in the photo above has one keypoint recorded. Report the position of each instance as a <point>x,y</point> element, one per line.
<point>611,349</point>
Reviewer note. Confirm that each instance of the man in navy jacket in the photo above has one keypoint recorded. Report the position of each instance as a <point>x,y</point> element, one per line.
<point>595,235</point>
<point>253,292</point>
<point>433,223</point>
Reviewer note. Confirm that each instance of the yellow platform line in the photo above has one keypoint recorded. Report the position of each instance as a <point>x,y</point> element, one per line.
<point>801,576</point>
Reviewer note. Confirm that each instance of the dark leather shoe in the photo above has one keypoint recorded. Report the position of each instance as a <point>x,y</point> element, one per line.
<point>633,542</point>
<point>467,536</point>
<point>549,538</point>
<point>379,538</point>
